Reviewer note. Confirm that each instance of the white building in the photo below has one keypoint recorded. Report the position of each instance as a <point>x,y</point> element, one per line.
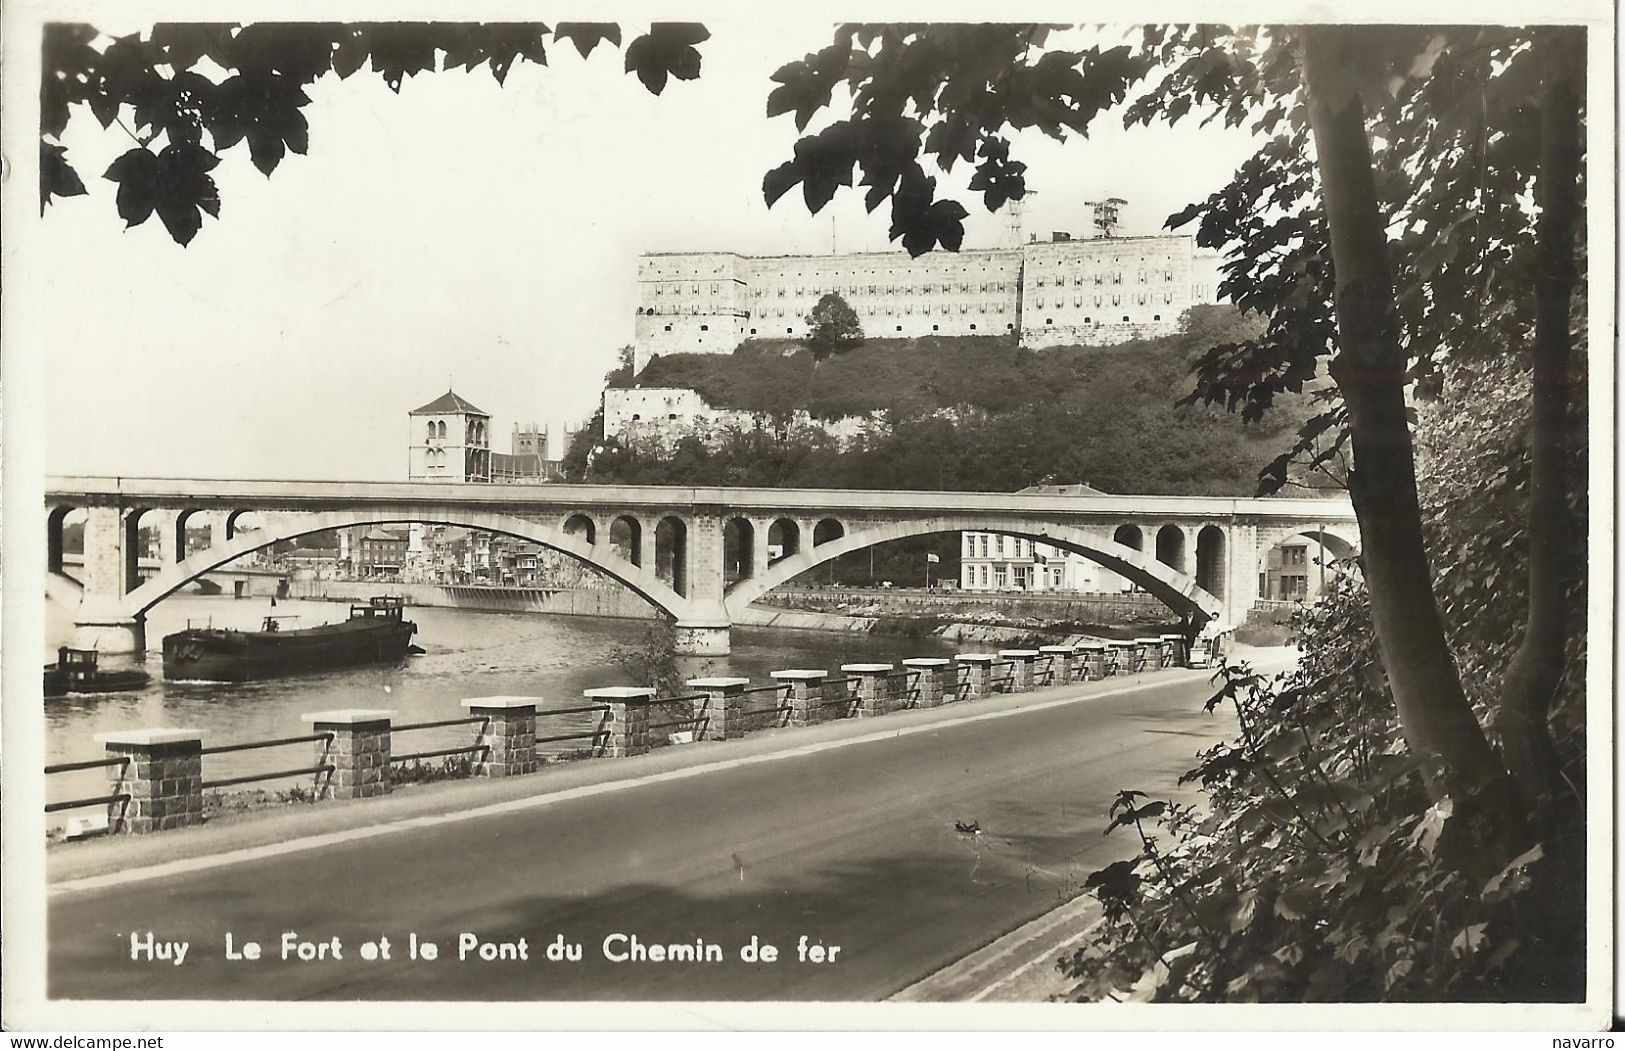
<point>448,440</point>
<point>997,562</point>
<point>1096,292</point>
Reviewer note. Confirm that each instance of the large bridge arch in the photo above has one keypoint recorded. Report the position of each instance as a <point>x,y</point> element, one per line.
<point>641,580</point>
<point>1177,590</point>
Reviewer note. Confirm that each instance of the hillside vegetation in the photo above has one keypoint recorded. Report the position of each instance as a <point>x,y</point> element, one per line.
<point>967,413</point>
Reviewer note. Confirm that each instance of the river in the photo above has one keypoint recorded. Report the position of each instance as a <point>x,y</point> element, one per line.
<point>468,654</point>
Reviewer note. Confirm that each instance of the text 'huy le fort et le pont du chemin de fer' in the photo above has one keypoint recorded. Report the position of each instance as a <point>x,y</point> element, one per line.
<point>467,947</point>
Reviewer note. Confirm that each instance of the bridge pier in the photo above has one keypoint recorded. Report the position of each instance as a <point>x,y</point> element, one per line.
<point>101,624</point>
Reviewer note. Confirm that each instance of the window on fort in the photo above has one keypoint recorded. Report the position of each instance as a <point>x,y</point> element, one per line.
<point>668,328</point>
<point>1125,317</point>
<point>753,332</point>
<point>899,328</point>
<point>637,416</point>
<point>705,328</point>
<point>973,326</point>
<point>1156,317</point>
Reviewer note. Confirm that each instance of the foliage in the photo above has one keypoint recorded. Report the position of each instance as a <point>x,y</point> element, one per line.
<point>624,371</point>
<point>832,327</point>
<point>1318,867</point>
<point>201,89</point>
<point>653,662</point>
<point>1103,415</point>
<point>417,771</point>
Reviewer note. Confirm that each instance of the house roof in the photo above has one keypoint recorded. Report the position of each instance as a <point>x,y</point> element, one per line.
<point>449,402</point>
<point>1081,489</point>
<point>516,463</point>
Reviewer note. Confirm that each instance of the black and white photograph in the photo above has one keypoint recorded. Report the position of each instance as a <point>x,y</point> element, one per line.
<point>1103,521</point>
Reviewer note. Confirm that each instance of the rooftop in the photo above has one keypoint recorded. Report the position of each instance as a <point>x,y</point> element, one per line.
<point>449,402</point>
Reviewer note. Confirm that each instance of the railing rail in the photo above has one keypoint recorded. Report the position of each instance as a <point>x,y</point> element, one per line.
<point>246,746</point>
<point>75,804</point>
<point>324,768</point>
<point>680,722</point>
<point>433,724</point>
<point>438,752</point>
<point>86,764</point>
<point>591,734</point>
<point>580,709</point>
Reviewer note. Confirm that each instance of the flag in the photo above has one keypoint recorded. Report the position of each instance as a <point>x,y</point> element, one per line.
<point>929,558</point>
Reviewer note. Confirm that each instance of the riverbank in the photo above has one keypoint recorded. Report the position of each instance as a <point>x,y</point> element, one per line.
<point>484,598</point>
<point>1006,619</point>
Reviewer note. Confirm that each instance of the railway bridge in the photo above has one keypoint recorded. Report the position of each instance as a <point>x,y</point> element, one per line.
<point>700,555</point>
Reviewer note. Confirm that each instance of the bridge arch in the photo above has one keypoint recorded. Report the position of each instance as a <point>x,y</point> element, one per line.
<point>1176,589</point>
<point>641,580</point>
<point>56,525</point>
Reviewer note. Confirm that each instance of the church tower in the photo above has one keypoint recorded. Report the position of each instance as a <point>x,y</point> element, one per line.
<point>449,441</point>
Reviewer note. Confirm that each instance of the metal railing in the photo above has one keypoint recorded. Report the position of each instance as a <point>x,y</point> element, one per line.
<point>437,753</point>
<point>905,686</point>
<point>87,764</point>
<point>272,775</point>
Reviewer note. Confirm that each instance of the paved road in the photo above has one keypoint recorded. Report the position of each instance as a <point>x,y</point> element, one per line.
<point>853,846</point>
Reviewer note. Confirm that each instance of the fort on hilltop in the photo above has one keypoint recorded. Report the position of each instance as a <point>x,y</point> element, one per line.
<point>1062,291</point>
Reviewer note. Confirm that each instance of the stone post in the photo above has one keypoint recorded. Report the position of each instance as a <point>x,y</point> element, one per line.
<point>1021,668</point>
<point>1173,651</point>
<point>628,720</point>
<point>874,688</point>
<point>1057,670</point>
<point>1150,653</point>
<point>979,678</point>
<point>724,712</point>
<point>163,778</point>
<point>806,694</point>
<point>357,751</point>
<point>935,680</point>
<point>1092,660</point>
<point>509,734</point>
<point>1125,657</point>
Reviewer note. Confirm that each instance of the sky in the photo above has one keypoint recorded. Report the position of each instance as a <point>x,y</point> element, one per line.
<point>471,235</point>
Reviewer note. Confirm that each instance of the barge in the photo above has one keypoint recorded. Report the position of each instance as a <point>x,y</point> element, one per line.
<point>375,633</point>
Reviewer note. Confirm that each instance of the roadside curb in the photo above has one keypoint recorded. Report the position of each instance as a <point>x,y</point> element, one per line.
<point>1018,967</point>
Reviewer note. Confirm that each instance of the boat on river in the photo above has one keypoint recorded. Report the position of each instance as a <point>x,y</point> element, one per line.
<point>375,633</point>
<point>78,671</point>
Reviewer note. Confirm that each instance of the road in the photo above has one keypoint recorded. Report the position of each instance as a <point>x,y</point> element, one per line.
<point>853,846</point>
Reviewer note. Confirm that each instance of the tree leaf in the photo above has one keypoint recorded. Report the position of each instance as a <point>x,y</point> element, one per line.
<point>56,177</point>
<point>666,50</point>
<point>588,35</point>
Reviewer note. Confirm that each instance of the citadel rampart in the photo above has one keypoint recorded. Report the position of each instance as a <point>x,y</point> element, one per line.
<point>1092,292</point>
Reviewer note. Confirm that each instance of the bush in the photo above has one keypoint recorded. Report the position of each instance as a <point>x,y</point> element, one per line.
<point>1319,867</point>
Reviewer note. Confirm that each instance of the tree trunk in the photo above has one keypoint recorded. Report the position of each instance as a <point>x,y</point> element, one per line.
<point>1532,677</point>
<point>1369,367</point>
